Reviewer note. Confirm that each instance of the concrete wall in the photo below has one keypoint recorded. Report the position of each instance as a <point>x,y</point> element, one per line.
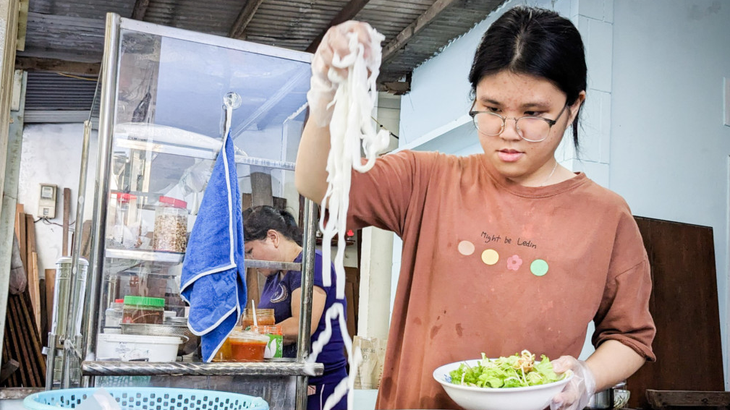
<point>669,149</point>
<point>52,154</point>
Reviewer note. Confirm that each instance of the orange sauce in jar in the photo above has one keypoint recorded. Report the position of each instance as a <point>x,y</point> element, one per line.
<point>247,350</point>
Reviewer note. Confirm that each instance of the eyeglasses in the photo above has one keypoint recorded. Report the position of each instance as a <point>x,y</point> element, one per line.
<point>529,128</point>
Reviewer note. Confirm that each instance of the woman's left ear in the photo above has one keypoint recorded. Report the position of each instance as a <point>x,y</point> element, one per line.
<point>274,237</point>
<point>576,106</point>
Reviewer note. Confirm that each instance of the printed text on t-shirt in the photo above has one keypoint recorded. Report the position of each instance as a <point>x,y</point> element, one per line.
<point>488,238</point>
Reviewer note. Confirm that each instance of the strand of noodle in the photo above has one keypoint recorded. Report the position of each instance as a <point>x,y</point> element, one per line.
<point>350,129</point>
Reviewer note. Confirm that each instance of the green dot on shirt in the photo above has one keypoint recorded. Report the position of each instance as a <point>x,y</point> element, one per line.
<point>539,267</point>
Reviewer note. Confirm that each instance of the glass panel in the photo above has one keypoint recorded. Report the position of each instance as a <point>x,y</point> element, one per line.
<point>168,129</point>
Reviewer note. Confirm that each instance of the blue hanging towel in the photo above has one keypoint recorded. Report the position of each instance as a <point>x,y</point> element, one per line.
<point>213,274</point>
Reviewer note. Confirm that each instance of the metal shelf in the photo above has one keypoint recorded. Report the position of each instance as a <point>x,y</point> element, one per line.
<point>250,263</point>
<point>266,368</point>
<point>199,153</point>
<point>143,255</point>
<point>175,258</point>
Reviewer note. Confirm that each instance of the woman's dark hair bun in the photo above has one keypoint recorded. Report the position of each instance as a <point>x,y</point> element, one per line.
<point>258,220</point>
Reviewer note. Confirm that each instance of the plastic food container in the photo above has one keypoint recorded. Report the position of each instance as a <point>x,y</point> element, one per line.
<point>264,317</point>
<point>171,225</point>
<point>113,316</point>
<point>137,347</point>
<point>140,309</point>
<point>275,345</point>
<point>247,346</point>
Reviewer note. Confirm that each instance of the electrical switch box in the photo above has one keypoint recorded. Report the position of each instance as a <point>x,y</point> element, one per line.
<point>47,201</point>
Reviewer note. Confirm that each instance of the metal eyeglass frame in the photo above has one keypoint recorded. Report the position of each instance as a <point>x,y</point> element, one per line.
<point>473,114</point>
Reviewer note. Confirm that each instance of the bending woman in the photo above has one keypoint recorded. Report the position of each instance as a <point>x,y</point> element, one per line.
<point>273,235</point>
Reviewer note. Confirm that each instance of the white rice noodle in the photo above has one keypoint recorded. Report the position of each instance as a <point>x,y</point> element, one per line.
<point>350,129</point>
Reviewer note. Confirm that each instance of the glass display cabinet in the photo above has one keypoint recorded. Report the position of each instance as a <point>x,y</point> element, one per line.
<point>160,130</point>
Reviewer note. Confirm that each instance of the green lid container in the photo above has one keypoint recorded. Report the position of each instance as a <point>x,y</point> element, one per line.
<point>144,301</point>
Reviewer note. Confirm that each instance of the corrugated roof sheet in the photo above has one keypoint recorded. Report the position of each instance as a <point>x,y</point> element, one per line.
<point>212,17</point>
<point>95,9</point>
<point>73,30</point>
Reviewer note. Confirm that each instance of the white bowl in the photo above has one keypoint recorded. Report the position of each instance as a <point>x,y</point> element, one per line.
<point>508,398</point>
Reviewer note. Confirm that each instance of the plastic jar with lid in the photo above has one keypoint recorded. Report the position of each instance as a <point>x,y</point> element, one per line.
<point>264,317</point>
<point>113,316</point>
<point>247,346</point>
<point>124,220</point>
<point>140,309</point>
<point>171,225</point>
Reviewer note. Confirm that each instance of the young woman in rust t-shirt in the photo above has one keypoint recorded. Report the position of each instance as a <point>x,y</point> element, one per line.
<point>505,250</point>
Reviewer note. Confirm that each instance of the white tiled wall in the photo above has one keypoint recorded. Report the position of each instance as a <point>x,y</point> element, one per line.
<point>594,19</point>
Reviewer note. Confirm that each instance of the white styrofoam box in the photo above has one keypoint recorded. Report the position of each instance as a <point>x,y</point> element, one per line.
<point>134,347</point>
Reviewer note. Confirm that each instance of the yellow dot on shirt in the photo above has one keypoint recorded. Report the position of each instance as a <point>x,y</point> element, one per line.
<point>490,257</point>
<point>466,248</point>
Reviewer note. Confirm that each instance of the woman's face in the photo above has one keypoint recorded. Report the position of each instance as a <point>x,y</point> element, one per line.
<point>513,96</point>
<point>266,249</point>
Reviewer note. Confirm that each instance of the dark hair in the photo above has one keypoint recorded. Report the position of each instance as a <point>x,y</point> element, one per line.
<point>258,220</point>
<point>537,42</point>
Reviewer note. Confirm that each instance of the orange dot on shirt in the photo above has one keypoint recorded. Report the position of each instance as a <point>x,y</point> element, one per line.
<point>466,248</point>
<point>490,257</point>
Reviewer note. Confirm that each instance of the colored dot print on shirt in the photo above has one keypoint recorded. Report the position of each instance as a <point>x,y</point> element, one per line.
<point>514,262</point>
<point>539,267</point>
<point>466,248</point>
<point>490,257</point>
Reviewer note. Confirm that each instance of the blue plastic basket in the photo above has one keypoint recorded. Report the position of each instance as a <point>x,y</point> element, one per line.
<point>149,398</point>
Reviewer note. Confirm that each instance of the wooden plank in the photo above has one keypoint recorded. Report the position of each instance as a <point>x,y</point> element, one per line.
<point>660,399</point>
<point>9,367</point>
<point>34,345</point>
<point>66,213</point>
<point>22,24</point>
<point>34,290</point>
<point>18,212</point>
<point>244,17</point>
<point>22,240</point>
<point>44,308</point>
<point>86,240</point>
<point>50,288</point>
<point>262,193</point>
<point>347,13</point>
<point>414,28</point>
<point>56,65</point>
<point>18,393</point>
<point>684,296</point>
<point>140,9</point>
<point>16,333</point>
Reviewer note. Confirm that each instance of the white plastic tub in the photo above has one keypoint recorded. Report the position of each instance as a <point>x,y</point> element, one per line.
<point>137,347</point>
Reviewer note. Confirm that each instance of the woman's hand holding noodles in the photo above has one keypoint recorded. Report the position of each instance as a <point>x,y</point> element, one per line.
<point>335,42</point>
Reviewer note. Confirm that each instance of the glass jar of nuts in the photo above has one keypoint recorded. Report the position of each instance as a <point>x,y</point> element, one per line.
<point>171,225</point>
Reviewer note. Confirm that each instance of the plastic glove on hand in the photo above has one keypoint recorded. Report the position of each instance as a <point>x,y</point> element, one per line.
<point>335,41</point>
<point>580,388</point>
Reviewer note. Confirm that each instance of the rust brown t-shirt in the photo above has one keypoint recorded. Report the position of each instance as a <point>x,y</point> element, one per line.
<point>495,267</point>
